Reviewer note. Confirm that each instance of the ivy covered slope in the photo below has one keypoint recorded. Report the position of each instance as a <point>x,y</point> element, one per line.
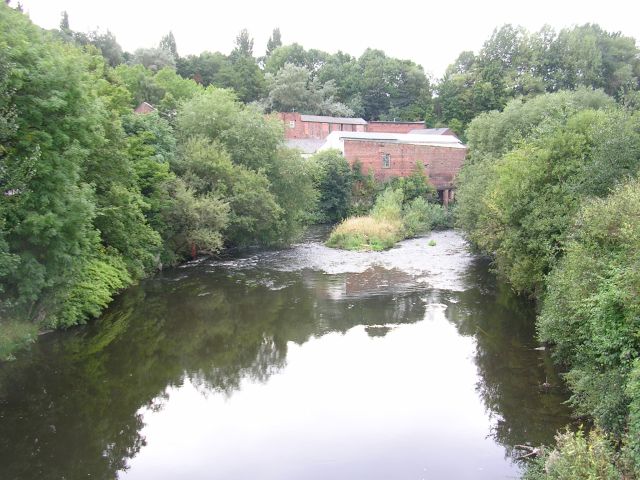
<point>95,197</point>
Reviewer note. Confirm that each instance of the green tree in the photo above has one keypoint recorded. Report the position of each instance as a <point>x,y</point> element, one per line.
<point>334,182</point>
<point>275,41</point>
<point>154,58</point>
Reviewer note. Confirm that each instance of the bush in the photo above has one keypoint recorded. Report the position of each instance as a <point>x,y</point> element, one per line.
<point>420,217</point>
<point>416,185</point>
<point>591,313</point>
<point>577,457</point>
<point>388,206</point>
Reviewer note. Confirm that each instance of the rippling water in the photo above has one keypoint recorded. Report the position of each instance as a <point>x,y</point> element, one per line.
<point>300,363</point>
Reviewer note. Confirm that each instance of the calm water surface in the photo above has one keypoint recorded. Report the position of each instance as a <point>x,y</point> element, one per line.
<point>307,363</point>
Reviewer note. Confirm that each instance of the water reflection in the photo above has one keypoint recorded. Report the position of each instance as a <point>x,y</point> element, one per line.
<point>333,365</point>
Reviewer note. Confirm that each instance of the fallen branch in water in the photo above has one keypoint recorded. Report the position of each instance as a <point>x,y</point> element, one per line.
<point>531,451</point>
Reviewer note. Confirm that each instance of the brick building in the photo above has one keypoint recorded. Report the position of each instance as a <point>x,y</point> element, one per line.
<point>297,126</point>
<point>393,127</point>
<point>144,108</point>
<point>389,155</point>
<point>386,149</point>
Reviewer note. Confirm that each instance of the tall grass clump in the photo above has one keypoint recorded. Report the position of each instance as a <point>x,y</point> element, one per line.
<point>390,221</point>
<point>378,231</point>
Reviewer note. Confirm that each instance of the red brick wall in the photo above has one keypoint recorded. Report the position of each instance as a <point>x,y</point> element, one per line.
<point>442,163</point>
<point>319,130</point>
<point>393,127</point>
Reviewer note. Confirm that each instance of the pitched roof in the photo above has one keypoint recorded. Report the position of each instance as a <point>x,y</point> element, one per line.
<point>145,107</point>
<point>325,119</point>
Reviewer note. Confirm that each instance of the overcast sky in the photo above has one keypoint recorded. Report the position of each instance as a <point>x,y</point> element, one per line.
<point>429,33</point>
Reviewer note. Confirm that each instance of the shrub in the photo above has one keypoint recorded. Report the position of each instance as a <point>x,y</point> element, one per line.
<point>388,205</point>
<point>577,457</point>
<point>420,217</point>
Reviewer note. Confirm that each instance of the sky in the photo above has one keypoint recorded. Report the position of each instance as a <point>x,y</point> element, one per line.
<point>431,34</point>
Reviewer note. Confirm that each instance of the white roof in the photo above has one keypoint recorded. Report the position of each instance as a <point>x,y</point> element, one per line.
<point>325,119</point>
<point>336,139</point>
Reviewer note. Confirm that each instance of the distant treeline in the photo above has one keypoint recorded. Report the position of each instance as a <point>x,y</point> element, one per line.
<point>512,63</point>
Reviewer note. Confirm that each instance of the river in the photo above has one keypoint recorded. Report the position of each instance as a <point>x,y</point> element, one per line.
<point>303,363</point>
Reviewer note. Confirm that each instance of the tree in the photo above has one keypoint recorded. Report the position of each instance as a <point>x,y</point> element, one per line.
<point>64,22</point>
<point>292,89</point>
<point>168,43</point>
<point>243,45</point>
<point>274,42</point>
<point>108,47</point>
<point>154,58</point>
<point>205,69</point>
<point>334,182</point>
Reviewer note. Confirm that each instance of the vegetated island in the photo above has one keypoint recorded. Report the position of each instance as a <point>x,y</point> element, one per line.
<point>405,209</point>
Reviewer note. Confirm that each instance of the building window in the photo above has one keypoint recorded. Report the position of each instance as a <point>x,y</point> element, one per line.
<point>386,160</point>
<point>292,124</point>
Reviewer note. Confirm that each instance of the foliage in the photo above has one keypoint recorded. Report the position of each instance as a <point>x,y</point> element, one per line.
<point>388,205</point>
<point>333,180</point>
<point>416,185</point>
<point>165,89</point>
<point>515,62</point>
<point>292,89</point>
<point>194,222</point>
<point>275,41</point>
<point>374,86</point>
<point>590,312</point>
<point>364,191</point>
<point>420,216</point>
<point>238,154</point>
<point>154,59</point>
<point>91,289</point>
<point>168,43</point>
<point>251,139</point>
<point>89,203</point>
<point>577,456</point>
<point>518,206</point>
<point>389,221</point>
<point>48,218</point>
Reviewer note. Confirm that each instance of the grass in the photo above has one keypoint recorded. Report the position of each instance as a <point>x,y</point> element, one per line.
<point>365,233</point>
<point>14,335</point>
<point>432,243</point>
<point>390,221</point>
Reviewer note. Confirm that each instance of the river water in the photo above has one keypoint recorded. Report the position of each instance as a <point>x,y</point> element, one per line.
<point>304,363</point>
